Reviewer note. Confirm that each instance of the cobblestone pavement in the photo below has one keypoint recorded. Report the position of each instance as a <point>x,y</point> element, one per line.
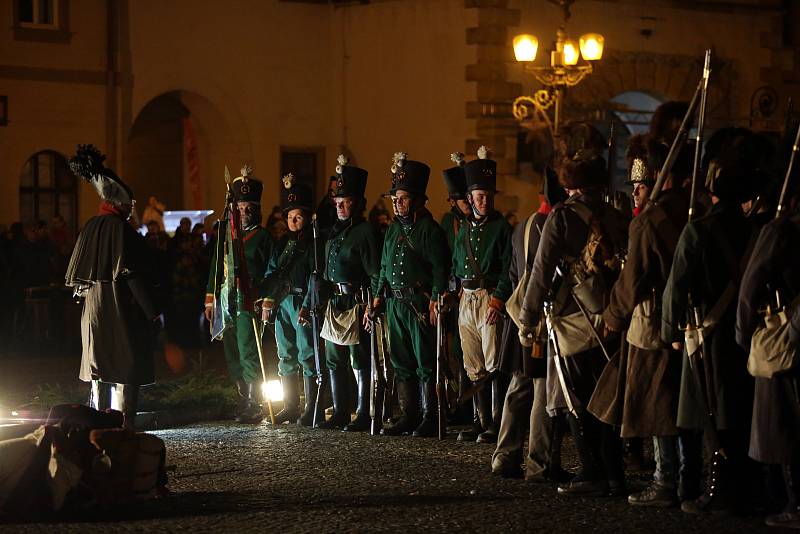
<point>235,478</point>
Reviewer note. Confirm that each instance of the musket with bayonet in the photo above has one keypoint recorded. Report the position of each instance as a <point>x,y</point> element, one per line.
<point>700,364</point>
<point>314,314</point>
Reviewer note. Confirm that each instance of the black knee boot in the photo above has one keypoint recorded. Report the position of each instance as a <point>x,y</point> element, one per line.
<point>291,401</point>
<point>476,428</point>
<point>408,398</point>
<point>252,413</point>
<point>310,389</point>
<point>429,427</point>
<point>340,392</point>
<point>127,403</point>
<point>498,394</point>
<point>589,481</point>
<point>362,420</point>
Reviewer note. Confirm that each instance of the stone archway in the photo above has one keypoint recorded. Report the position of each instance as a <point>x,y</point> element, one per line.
<point>666,77</point>
<point>156,158</point>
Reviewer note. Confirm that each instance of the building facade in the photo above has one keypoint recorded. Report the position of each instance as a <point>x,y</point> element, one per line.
<point>175,91</point>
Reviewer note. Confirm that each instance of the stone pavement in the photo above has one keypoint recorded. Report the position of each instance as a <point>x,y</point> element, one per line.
<point>235,478</point>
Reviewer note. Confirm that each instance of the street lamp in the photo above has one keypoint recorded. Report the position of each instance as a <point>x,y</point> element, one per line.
<point>564,70</point>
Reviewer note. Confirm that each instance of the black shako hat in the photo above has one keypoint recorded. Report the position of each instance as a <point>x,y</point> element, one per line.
<point>88,164</point>
<point>350,181</point>
<point>247,188</point>
<point>295,194</point>
<point>481,173</point>
<point>409,175</point>
<point>455,179</point>
<point>585,170</point>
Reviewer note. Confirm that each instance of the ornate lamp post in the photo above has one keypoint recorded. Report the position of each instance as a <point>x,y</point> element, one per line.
<point>564,70</point>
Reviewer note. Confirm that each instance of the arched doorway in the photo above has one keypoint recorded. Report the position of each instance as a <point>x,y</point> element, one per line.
<point>177,149</point>
<point>48,189</point>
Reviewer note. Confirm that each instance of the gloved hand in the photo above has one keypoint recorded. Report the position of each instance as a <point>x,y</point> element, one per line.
<point>525,334</point>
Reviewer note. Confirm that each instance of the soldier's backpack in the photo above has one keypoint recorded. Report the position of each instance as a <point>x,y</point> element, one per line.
<point>588,279</point>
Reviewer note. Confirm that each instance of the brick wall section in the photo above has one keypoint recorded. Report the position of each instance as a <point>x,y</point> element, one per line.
<point>495,126</point>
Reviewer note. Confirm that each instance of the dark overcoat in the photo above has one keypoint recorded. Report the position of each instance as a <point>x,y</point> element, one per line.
<point>651,377</point>
<point>774,266</point>
<point>710,256</point>
<point>109,268</point>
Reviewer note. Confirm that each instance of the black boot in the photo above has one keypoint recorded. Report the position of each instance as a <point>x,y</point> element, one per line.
<point>498,395</point>
<point>340,392</point>
<point>471,434</point>
<point>310,391</point>
<point>429,427</point>
<point>362,420</point>
<point>589,482</point>
<point>408,398</point>
<point>716,497</point>
<point>291,401</point>
<point>252,414</point>
<point>127,402</point>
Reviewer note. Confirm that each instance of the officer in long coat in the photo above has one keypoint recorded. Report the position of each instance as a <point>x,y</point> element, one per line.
<point>708,263</point>
<point>237,324</point>
<point>109,269</point>
<point>773,274</point>
<point>652,374</point>
<point>351,266</point>
<point>415,269</point>
<point>481,259</point>
<point>285,285</point>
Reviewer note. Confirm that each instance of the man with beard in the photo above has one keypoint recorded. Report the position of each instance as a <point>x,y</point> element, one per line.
<point>286,282</point>
<point>352,264</point>
<point>239,330</point>
<point>582,240</point>
<point>415,267</point>
<point>651,376</point>
<point>109,269</point>
<point>481,259</point>
<point>705,276</point>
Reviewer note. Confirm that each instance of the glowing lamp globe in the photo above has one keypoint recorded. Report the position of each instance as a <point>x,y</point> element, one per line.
<point>571,54</point>
<point>592,46</point>
<point>525,47</point>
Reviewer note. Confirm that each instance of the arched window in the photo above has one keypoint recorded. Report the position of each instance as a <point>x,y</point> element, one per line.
<point>48,188</point>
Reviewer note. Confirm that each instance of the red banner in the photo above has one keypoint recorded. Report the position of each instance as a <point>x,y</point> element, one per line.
<point>192,164</point>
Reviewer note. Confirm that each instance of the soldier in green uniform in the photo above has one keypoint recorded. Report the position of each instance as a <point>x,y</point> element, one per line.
<point>481,261</point>
<point>285,284</point>
<point>456,182</point>
<point>238,323</point>
<point>352,264</point>
<point>415,270</point>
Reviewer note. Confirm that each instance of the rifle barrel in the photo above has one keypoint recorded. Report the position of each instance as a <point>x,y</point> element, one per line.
<point>789,169</point>
<point>701,118</point>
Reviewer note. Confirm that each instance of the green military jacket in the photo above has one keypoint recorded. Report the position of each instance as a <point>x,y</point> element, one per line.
<point>415,255</point>
<point>289,267</point>
<point>490,240</point>
<point>352,253</point>
<point>258,247</point>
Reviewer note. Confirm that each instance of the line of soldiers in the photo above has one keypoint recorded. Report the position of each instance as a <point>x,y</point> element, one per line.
<point>597,349</point>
